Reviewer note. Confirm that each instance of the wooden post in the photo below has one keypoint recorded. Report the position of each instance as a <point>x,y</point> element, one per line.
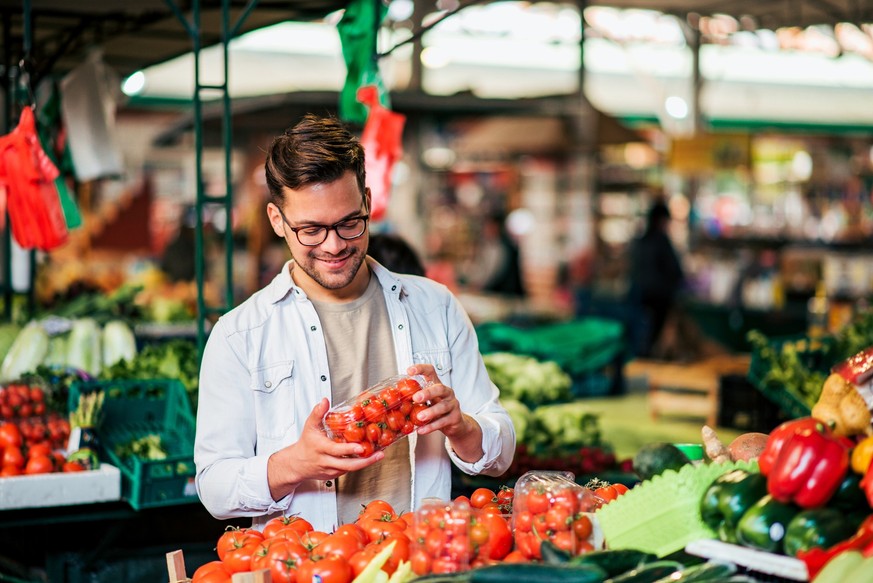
<point>176,567</point>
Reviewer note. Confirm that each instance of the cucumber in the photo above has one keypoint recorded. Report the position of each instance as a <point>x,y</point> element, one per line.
<point>615,561</point>
<point>538,572</point>
<point>648,573</point>
<point>704,572</point>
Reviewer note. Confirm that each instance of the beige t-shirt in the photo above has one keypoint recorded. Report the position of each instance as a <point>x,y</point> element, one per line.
<point>347,326</point>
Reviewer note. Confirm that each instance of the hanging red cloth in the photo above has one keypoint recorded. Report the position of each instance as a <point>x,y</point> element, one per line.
<point>382,141</point>
<point>27,176</point>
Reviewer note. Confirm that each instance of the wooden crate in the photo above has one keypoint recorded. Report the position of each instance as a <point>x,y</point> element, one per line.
<point>687,389</point>
<point>177,573</point>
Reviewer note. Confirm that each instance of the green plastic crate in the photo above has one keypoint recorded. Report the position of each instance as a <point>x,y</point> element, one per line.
<point>134,409</point>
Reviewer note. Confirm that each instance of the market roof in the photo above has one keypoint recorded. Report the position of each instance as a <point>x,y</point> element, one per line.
<point>136,34</point>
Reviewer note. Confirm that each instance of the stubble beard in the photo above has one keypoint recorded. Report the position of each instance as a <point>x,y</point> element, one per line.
<point>333,280</point>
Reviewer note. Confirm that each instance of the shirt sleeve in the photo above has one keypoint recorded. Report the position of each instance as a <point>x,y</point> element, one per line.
<point>478,397</point>
<point>231,479</point>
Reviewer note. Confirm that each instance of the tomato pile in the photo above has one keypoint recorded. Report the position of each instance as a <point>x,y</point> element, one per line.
<point>551,507</point>
<point>378,416</point>
<point>30,438</point>
<point>440,537</point>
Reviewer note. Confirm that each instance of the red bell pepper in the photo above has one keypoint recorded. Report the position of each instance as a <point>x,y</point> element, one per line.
<point>857,369</point>
<point>780,435</point>
<point>867,485</point>
<point>817,557</point>
<point>810,467</point>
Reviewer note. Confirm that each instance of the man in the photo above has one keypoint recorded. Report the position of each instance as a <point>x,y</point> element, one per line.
<point>332,323</point>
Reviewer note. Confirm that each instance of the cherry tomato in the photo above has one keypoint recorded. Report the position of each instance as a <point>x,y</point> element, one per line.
<point>355,433</point>
<point>505,495</point>
<point>395,420</point>
<point>481,497</point>
<point>387,438</point>
<point>515,557</point>
<point>582,527</point>
<point>374,411</point>
<point>537,501</point>
<point>420,562</point>
<point>499,536</point>
<point>390,398</point>
<point>10,435</point>
<point>408,387</point>
<point>374,433</point>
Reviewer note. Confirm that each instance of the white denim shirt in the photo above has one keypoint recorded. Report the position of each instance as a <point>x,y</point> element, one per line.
<point>265,367</point>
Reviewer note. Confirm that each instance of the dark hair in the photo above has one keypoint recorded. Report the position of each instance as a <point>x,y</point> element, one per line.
<point>395,254</point>
<point>658,214</point>
<point>316,150</point>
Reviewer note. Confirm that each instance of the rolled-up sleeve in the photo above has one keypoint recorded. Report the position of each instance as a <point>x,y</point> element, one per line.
<point>478,397</point>
<point>231,479</point>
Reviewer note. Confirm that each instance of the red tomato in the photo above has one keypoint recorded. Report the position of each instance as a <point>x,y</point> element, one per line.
<point>312,539</point>
<point>10,435</point>
<point>39,464</point>
<point>582,527</point>
<point>387,438</point>
<point>338,544</point>
<point>515,557</point>
<point>41,448</point>
<point>395,420</point>
<point>408,387</point>
<point>239,559</point>
<point>212,572</point>
<point>523,521</point>
<point>329,570</point>
<point>274,525</point>
<point>359,561</point>
<point>368,448</point>
<point>564,540</point>
<point>390,398</point>
<point>72,467</point>
<point>505,495</point>
<point>234,538</point>
<point>500,536</point>
<point>353,530</point>
<point>355,433</point>
<point>558,518</point>
<point>445,565</point>
<point>420,562</point>
<point>537,501</point>
<point>378,507</point>
<point>374,411</point>
<point>482,496</point>
<point>12,456</point>
<point>9,471</point>
<point>408,427</point>
<point>413,415</point>
<point>374,433</point>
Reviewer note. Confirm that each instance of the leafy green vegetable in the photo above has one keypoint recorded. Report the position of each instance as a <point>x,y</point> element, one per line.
<point>526,379</point>
<point>148,447</point>
<point>174,359</point>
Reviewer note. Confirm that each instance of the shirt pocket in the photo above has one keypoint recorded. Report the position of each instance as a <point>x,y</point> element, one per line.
<point>273,389</point>
<point>440,358</point>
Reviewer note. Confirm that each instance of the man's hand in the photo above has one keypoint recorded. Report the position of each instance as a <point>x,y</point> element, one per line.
<point>314,457</point>
<point>463,432</point>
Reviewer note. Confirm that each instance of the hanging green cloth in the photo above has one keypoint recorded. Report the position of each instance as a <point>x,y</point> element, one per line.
<point>358,29</point>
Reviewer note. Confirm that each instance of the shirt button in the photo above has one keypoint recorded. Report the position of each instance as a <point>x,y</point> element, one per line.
<point>324,378</point>
<point>400,327</point>
<point>312,328</point>
<point>268,384</point>
<point>393,287</point>
<point>329,484</point>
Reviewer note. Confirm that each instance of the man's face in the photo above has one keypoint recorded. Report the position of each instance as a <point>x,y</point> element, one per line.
<point>334,265</point>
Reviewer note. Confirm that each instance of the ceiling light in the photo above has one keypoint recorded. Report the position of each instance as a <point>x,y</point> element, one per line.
<point>134,84</point>
<point>676,107</point>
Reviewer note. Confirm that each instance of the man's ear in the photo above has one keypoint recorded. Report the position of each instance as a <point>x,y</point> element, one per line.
<point>276,220</point>
<point>367,198</point>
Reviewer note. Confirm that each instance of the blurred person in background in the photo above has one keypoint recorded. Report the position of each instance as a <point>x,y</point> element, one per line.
<point>656,274</point>
<point>394,253</point>
<point>496,267</point>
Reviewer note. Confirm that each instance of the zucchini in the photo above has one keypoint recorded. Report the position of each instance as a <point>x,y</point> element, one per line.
<point>615,561</point>
<point>704,572</point>
<point>539,572</point>
<point>648,573</point>
<point>552,555</point>
<point>458,577</point>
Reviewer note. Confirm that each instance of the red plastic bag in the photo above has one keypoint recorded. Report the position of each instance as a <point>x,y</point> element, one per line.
<point>382,141</point>
<point>27,175</point>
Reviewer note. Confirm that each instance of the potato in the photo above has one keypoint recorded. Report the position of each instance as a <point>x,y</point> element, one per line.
<point>747,446</point>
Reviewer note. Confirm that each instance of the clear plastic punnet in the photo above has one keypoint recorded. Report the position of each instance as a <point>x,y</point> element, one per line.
<point>378,416</point>
<point>441,537</point>
<point>550,506</point>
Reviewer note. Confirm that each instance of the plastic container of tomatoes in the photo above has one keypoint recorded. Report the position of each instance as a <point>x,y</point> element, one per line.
<point>442,537</point>
<point>379,416</point>
<point>552,506</point>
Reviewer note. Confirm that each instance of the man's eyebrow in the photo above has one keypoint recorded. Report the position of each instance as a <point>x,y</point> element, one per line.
<point>350,215</point>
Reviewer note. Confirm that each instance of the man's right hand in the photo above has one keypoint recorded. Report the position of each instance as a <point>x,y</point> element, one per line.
<point>314,457</point>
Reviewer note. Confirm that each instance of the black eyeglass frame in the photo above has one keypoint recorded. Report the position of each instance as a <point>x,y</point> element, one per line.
<point>327,228</point>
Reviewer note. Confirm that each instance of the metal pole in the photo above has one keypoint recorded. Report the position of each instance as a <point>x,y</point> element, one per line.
<point>227,138</point>
<point>9,88</point>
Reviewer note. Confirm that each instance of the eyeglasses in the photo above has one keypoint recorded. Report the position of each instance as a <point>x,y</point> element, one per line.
<point>314,235</point>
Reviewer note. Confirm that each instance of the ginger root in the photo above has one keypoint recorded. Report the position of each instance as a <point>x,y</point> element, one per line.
<point>714,449</point>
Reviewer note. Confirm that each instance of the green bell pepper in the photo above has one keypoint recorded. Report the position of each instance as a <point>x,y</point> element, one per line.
<point>818,527</point>
<point>850,497</point>
<point>728,498</point>
<point>764,525</point>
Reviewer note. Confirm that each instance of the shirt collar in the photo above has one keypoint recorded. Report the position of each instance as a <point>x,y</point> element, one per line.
<point>283,284</point>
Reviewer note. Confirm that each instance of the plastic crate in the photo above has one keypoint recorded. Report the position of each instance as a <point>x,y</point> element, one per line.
<point>817,357</point>
<point>134,409</point>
